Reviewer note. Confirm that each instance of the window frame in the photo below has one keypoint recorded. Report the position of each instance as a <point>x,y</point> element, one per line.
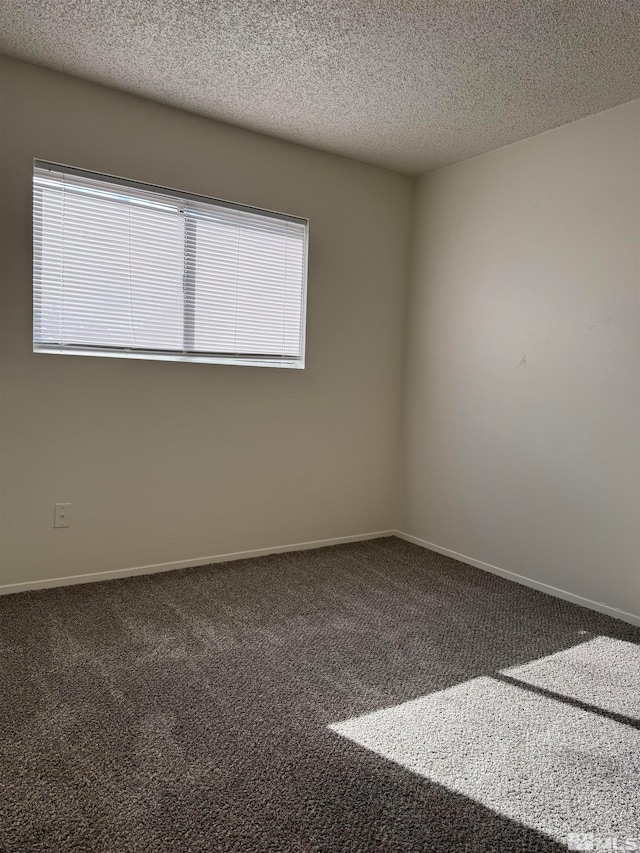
<point>198,357</point>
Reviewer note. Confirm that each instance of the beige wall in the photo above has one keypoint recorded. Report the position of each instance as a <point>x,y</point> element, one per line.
<point>522,413</point>
<point>519,436</point>
<point>167,462</point>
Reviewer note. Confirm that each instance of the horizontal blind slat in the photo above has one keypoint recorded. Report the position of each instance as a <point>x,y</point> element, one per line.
<point>122,266</point>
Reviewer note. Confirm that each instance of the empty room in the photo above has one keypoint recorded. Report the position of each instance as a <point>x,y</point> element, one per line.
<point>319,426</point>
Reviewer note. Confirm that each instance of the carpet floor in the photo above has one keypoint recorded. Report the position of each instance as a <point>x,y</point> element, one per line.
<point>364,697</point>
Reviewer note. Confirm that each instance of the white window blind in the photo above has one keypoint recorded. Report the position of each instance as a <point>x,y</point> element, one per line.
<point>124,269</point>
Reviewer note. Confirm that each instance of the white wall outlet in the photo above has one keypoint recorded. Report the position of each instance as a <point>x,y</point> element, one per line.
<point>62,515</point>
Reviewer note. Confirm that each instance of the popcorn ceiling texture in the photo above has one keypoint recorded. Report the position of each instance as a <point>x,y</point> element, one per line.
<point>410,85</point>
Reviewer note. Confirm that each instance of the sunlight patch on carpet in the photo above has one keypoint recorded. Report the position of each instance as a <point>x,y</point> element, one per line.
<point>535,759</point>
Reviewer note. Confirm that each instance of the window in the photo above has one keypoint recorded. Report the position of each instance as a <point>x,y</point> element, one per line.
<point>129,270</point>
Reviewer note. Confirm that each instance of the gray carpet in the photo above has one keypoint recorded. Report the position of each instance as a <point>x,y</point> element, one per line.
<point>365,697</point>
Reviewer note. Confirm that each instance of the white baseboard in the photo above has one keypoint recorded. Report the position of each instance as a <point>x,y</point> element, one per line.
<point>8,589</point>
<point>512,576</point>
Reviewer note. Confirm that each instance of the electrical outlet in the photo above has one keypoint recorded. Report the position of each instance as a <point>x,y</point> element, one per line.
<point>62,515</point>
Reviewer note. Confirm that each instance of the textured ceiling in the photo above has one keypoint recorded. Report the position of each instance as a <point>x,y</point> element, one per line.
<point>406,84</point>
